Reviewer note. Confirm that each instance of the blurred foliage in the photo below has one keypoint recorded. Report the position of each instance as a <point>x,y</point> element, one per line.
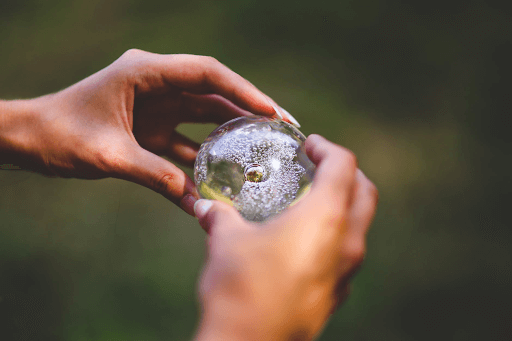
<point>418,90</point>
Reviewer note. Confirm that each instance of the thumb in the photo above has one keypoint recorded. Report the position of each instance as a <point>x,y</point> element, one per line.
<point>156,173</point>
<point>215,216</point>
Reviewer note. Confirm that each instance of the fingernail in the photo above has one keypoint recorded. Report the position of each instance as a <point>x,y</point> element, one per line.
<point>315,138</point>
<point>201,207</point>
<point>291,118</point>
<point>278,112</point>
<point>187,203</point>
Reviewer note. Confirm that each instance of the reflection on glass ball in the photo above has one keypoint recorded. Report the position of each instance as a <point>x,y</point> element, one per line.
<point>257,164</point>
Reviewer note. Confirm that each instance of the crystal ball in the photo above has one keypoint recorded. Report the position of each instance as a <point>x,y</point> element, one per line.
<point>256,164</point>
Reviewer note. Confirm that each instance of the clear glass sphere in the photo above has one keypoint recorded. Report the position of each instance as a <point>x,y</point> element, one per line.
<point>257,164</point>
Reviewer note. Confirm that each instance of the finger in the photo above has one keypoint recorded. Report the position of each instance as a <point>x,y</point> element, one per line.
<point>352,252</point>
<point>282,113</point>
<point>190,108</point>
<point>176,146</point>
<point>341,294</point>
<point>149,170</point>
<point>182,149</point>
<point>363,207</point>
<point>217,217</point>
<point>328,200</point>
<point>359,217</point>
<point>209,109</point>
<point>197,74</point>
<point>334,176</point>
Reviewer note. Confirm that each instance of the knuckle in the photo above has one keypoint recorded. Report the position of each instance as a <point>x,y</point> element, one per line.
<point>106,161</point>
<point>373,192</point>
<point>163,184</point>
<point>343,167</point>
<point>211,66</point>
<point>113,161</point>
<point>344,157</point>
<point>350,158</point>
<point>337,152</point>
<point>131,53</point>
<point>133,60</point>
<point>210,61</point>
<point>354,254</point>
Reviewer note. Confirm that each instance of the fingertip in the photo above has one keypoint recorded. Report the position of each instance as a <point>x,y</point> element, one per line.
<point>314,139</point>
<point>292,119</point>
<point>214,215</point>
<point>281,113</point>
<point>188,203</point>
<point>313,147</point>
<point>276,109</point>
<point>201,208</point>
<point>264,106</point>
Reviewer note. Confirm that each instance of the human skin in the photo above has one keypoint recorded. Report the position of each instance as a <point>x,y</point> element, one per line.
<point>275,281</point>
<point>283,279</point>
<point>120,120</point>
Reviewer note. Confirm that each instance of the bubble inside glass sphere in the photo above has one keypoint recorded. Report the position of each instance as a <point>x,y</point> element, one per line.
<point>257,164</point>
<point>254,173</point>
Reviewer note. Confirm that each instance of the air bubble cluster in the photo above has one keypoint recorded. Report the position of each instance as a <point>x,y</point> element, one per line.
<point>256,164</point>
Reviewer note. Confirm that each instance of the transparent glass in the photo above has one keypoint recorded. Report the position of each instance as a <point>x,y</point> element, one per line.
<point>256,164</point>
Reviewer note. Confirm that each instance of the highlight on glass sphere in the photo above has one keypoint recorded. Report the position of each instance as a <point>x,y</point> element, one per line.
<point>257,164</point>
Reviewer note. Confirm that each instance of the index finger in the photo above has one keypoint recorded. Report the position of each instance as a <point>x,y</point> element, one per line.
<point>332,188</point>
<point>197,74</point>
<point>336,169</point>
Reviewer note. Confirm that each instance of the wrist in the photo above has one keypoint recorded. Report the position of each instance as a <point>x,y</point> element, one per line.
<point>18,141</point>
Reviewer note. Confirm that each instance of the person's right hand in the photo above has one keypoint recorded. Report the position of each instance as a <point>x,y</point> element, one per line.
<point>283,279</point>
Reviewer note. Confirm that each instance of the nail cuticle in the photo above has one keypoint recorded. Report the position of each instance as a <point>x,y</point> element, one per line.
<point>291,118</point>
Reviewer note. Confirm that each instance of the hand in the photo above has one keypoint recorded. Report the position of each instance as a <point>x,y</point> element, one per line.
<point>282,280</point>
<point>115,122</point>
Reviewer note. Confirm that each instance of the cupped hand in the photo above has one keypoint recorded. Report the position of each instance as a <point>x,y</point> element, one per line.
<point>119,121</point>
<point>281,280</point>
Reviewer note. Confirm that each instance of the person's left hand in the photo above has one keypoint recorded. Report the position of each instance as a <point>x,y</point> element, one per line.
<point>116,122</point>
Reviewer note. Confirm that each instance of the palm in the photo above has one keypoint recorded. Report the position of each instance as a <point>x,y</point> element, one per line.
<point>156,117</point>
<point>99,125</point>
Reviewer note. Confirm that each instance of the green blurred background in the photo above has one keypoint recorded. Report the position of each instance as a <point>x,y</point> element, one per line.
<point>418,90</point>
